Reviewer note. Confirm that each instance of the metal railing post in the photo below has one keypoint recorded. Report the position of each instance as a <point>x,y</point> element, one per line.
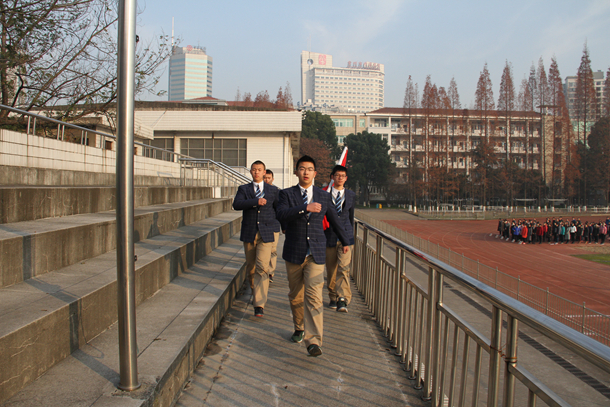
<point>377,278</point>
<point>430,347</point>
<point>495,356</point>
<point>512,336</point>
<point>125,204</point>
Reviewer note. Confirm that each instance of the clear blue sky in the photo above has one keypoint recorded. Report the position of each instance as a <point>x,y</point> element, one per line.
<point>256,45</point>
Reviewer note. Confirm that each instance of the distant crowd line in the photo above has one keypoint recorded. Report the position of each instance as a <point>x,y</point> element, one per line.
<point>553,231</point>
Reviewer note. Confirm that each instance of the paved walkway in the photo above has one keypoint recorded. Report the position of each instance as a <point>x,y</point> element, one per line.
<point>252,362</point>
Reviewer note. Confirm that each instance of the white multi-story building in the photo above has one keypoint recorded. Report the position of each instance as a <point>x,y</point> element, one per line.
<point>190,73</point>
<point>357,88</point>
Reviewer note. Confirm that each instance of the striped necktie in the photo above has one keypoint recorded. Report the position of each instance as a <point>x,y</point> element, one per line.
<point>339,202</point>
<point>305,198</point>
<point>259,193</point>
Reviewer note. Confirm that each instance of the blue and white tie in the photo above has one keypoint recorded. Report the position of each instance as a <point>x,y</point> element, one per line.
<point>305,199</point>
<point>339,203</point>
<point>259,193</point>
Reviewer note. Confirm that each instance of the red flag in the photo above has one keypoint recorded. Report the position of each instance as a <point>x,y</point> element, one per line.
<point>341,161</point>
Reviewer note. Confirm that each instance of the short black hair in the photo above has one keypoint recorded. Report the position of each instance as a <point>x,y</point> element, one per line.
<point>338,168</point>
<point>258,162</point>
<point>306,159</point>
<point>269,172</point>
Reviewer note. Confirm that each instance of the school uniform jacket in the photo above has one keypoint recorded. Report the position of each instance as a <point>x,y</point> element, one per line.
<point>346,219</point>
<point>303,231</point>
<point>256,218</point>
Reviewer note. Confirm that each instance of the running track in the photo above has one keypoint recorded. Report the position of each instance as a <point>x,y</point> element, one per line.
<point>542,265</point>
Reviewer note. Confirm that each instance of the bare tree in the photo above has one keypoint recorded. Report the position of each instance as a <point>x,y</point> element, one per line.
<point>64,52</point>
<point>288,96</point>
<point>262,99</point>
<point>237,95</point>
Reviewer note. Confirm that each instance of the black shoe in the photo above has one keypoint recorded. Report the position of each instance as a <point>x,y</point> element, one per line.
<point>314,350</point>
<point>297,336</point>
<point>258,311</point>
<point>341,305</point>
<point>332,304</point>
<point>270,278</point>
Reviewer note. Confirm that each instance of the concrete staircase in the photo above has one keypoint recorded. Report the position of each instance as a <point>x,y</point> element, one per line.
<point>58,294</point>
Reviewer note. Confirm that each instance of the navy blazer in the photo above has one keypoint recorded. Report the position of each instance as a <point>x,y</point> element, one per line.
<point>346,219</point>
<point>256,218</point>
<point>301,230</point>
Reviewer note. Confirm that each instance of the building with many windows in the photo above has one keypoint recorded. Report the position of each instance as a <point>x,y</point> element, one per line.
<point>357,88</point>
<point>444,138</point>
<point>190,73</point>
<point>569,90</point>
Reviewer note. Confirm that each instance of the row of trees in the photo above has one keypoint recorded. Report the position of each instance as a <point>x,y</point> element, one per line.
<point>283,99</point>
<point>499,178</point>
<point>64,52</point>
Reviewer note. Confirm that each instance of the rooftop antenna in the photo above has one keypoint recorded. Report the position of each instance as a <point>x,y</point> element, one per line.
<point>172,32</point>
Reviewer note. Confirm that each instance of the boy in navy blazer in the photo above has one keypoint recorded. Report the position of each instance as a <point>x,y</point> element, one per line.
<point>258,201</point>
<point>301,209</point>
<point>338,263</point>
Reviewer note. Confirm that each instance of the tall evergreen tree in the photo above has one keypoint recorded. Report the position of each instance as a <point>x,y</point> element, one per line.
<point>320,126</point>
<point>368,162</point>
<point>484,97</point>
<point>586,100</point>
<point>533,87</point>
<point>542,95</point>
<point>524,100</point>
<point>586,106</point>
<point>410,101</point>
<point>506,99</point>
<point>454,95</point>
<point>607,94</point>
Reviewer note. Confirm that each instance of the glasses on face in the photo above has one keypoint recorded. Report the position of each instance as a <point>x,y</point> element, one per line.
<point>308,169</point>
<point>340,176</point>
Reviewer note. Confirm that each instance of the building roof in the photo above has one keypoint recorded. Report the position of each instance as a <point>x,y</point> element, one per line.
<point>448,112</point>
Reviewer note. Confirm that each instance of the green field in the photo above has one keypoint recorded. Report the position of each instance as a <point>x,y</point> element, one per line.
<point>597,257</point>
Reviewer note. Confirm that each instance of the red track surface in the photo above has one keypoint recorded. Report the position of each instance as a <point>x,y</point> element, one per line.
<point>542,265</point>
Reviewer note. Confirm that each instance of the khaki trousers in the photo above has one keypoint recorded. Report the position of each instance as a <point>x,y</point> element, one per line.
<point>338,266</point>
<point>273,261</point>
<point>305,283</point>
<point>258,255</point>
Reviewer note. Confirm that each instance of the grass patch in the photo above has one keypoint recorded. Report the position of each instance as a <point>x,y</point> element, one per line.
<point>596,257</point>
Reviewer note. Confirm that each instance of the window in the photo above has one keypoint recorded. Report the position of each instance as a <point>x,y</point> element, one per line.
<point>232,152</point>
<point>343,122</point>
<point>164,143</point>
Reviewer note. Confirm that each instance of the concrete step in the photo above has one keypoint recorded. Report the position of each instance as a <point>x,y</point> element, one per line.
<point>46,318</point>
<point>24,203</point>
<point>33,248</point>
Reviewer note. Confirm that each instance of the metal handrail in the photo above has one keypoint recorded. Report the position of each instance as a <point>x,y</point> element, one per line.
<point>226,171</point>
<point>409,313</point>
<point>83,129</point>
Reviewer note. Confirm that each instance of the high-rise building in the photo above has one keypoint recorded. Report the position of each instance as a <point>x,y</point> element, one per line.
<point>569,90</point>
<point>190,73</point>
<point>357,88</point>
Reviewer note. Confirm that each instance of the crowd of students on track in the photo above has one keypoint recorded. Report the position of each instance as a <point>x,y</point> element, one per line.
<point>553,231</point>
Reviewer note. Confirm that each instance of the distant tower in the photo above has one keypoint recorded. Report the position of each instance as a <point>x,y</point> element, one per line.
<point>190,73</point>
